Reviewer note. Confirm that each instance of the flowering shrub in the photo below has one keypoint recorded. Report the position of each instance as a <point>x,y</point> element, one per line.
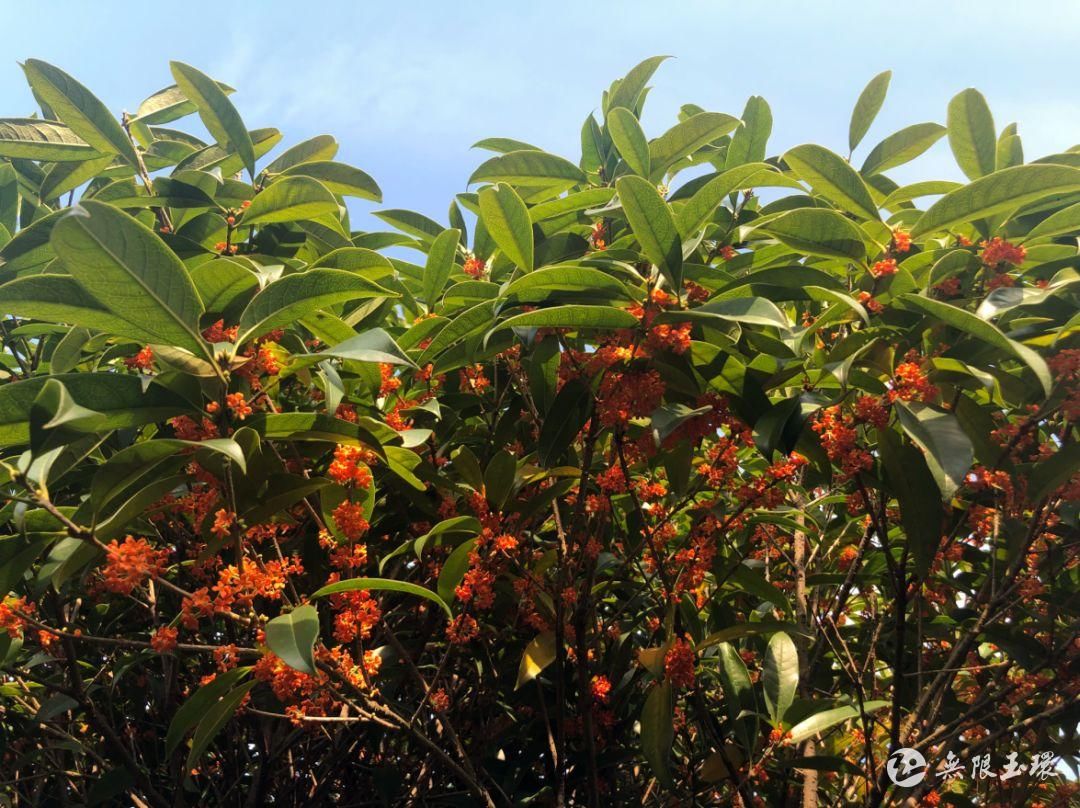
<point>631,486</point>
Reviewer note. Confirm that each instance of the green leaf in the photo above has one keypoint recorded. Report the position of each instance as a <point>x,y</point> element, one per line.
<point>294,296</point>
<point>214,720</point>
<point>698,210</point>
<point>47,141</point>
<point>738,695</point>
<point>949,452</point>
<point>529,169</point>
<point>289,200</point>
<point>629,87</point>
<point>507,221</point>
<point>658,731</point>
<point>1066,220</point>
<point>653,225</point>
<point>982,330</point>
<point>415,224</point>
<point>128,269</point>
<point>339,178</point>
<point>826,719</point>
<point>216,111</point>
<point>901,147</point>
<point>80,109</point>
<point>373,345</point>
<point>292,637</point>
<point>67,176</point>
<point>750,139</point>
<point>538,654</point>
<point>221,281</point>
<point>550,281</point>
<point>383,584</point>
<point>573,316</point>
<point>818,231</point>
<point>780,676</point>
<point>168,104</point>
<point>750,310</point>
<point>119,398</point>
<point>832,177</point>
<point>581,200</point>
<point>686,137</point>
<point>320,148</point>
<point>867,107</point>
<point>917,189</point>
<point>129,464</point>
<point>629,139</point>
<point>319,427</point>
<point>200,702</point>
<point>917,494</point>
<point>971,133</point>
<point>999,192</point>
<point>454,569</point>
<point>59,299</point>
<point>567,415</point>
<point>499,478</point>
<point>1051,473</point>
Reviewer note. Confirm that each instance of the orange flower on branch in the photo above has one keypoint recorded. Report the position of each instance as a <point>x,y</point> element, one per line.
<point>131,563</point>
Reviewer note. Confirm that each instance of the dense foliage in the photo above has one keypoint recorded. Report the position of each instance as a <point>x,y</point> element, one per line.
<point>621,489</point>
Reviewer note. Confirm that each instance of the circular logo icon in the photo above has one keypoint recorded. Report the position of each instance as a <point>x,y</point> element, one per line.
<point>906,767</point>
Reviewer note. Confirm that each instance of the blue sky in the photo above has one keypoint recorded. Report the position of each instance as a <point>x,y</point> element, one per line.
<point>407,88</point>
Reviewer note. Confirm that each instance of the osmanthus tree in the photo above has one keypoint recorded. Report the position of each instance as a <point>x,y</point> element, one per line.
<point>624,489</point>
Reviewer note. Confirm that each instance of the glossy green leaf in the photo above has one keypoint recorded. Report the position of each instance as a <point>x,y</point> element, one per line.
<point>289,200</point>
<point>901,147</point>
<point>780,675</point>
<point>80,109</point>
<point>653,225</point>
<point>191,711</point>
<point>216,111</point>
<point>339,178</point>
<point>507,221</point>
<point>739,696</point>
<point>687,137</point>
<point>984,331</point>
<point>292,637</point>
<point>819,232</point>
<point>867,107</point>
<point>971,133</point>
<point>658,731</point>
<point>917,494</point>
<point>573,316</point>
<point>749,142</point>
<point>529,169</point>
<point>214,720</point>
<point>696,212</point>
<point>938,433</point>
<point>629,139</point>
<point>129,271</point>
<point>383,585</point>
<point>50,141</point>
<point>295,296</point>
<point>827,719</point>
<point>832,177</point>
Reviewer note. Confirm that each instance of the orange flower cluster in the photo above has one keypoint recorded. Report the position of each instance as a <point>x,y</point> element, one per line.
<point>872,305</point>
<point>633,394</point>
<point>223,522</point>
<point>143,360</point>
<point>462,629</point>
<point>357,615</point>
<point>187,429</point>
<point>349,466</point>
<point>997,251</point>
<point>473,267</point>
<point>389,383</point>
<point>349,517</point>
<point>240,408</point>
<point>10,622</point>
<point>901,240</point>
<point>598,236</point>
<point>911,384</point>
<point>679,664</point>
<point>838,438</point>
<point>884,268</point>
<point>600,687</point>
<point>239,586</point>
<point>164,639</point>
<point>129,564</point>
<point>219,333</point>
